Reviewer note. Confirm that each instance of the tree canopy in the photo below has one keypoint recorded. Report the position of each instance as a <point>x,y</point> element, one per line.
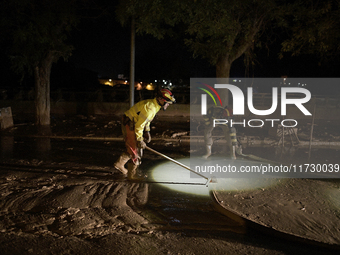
<point>36,32</point>
<point>36,29</point>
<point>314,29</point>
<point>218,30</point>
<point>223,30</point>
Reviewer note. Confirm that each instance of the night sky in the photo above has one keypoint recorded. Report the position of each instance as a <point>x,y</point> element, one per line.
<point>102,46</point>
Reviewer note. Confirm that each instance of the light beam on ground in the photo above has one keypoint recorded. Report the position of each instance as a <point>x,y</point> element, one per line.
<point>180,179</point>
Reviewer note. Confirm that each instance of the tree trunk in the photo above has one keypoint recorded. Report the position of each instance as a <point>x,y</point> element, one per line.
<point>42,74</point>
<point>223,66</point>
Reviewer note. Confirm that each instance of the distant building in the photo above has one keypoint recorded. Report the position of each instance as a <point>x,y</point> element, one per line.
<point>138,85</point>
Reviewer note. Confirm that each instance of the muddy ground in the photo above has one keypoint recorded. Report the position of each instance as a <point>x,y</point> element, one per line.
<point>62,196</point>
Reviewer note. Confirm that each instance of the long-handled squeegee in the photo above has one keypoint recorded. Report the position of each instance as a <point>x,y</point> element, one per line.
<point>209,180</point>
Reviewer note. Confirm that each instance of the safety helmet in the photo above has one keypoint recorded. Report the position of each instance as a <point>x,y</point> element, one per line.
<point>167,96</point>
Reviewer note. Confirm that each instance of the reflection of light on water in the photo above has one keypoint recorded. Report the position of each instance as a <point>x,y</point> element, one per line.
<point>169,172</point>
<point>180,179</point>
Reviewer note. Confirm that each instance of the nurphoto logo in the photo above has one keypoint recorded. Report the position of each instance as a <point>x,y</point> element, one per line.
<point>301,96</point>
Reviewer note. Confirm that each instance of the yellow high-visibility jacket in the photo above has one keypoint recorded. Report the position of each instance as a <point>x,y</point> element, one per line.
<point>142,114</point>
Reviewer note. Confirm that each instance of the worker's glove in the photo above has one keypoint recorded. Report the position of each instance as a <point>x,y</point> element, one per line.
<point>147,136</point>
<point>141,144</point>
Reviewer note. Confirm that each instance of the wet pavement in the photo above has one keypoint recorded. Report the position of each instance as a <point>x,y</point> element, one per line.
<point>78,175</point>
<point>75,160</point>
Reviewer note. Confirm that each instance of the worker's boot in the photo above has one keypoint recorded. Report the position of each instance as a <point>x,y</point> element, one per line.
<point>132,173</point>
<point>232,152</point>
<point>239,149</point>
<point>208,148</point>
<point>120,163</point>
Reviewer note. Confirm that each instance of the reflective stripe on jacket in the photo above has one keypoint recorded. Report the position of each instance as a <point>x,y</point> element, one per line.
<point>142,114</point>
<point>217,112</point>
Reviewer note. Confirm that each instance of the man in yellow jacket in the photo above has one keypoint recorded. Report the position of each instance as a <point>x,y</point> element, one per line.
<point>136,128</point>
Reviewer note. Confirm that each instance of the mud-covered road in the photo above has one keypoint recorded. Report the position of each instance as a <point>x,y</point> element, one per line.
<point>62,196</point>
